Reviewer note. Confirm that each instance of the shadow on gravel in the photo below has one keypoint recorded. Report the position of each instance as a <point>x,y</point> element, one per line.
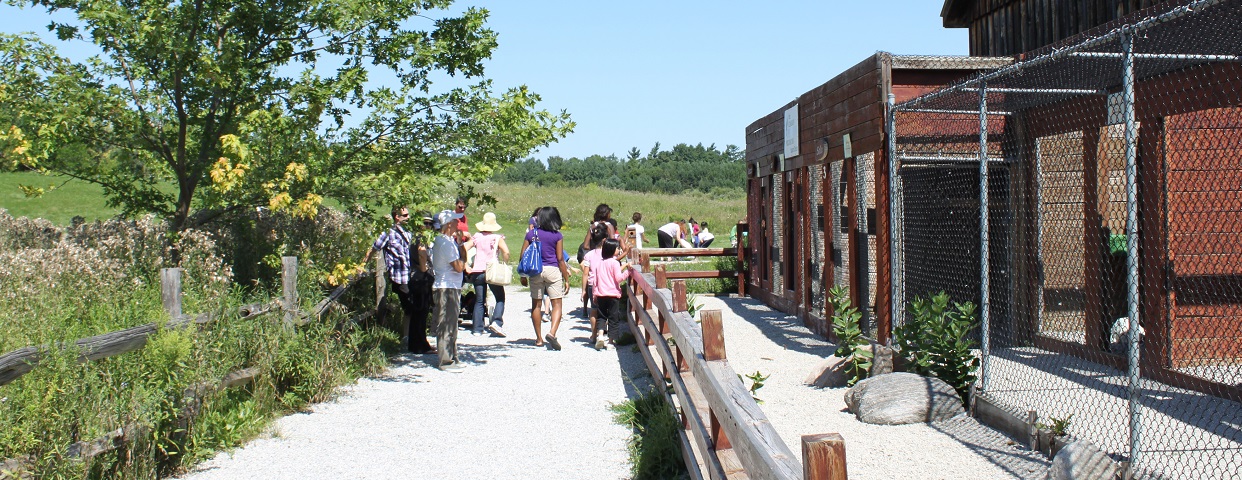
<point>783,330</point>
<point>1012,457</point>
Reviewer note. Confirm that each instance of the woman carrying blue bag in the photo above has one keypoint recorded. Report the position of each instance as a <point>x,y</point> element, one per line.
<point>553,274</point>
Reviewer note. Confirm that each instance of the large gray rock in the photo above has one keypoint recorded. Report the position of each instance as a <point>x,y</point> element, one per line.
<point>901,398</point>
<point>1081,460</point>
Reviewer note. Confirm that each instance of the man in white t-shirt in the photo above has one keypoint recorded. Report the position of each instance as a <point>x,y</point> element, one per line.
<point>635,232</point>
<point>448,260</point>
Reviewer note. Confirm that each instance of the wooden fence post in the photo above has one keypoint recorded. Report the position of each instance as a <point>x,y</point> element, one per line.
<point>714,349</point>
<point>381,287</point>
<point>741,259</point>
<point>661,278</point>
<point>289,282</point>
<point>170,291</point>
<point>645,261</point>
<point>680,303</point>
<point>823,457</point>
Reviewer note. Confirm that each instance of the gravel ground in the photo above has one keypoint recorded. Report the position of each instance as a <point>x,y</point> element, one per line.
<point>758,338</point>
<point>516,411</point>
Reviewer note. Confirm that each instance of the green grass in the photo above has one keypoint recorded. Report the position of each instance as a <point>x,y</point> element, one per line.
<point>515,202</point>
<point>654,448</point>
<point>68,198</point>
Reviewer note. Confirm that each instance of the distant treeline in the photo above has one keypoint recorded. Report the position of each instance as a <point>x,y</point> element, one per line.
<point>683,169</point>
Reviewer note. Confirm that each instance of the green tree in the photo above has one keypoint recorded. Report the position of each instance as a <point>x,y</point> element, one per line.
<point>241,103</point>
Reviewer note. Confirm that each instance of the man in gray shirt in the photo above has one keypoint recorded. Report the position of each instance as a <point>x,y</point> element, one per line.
<point>448,261</point>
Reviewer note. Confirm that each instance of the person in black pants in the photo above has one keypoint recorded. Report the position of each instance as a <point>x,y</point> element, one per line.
<point>405,255</point>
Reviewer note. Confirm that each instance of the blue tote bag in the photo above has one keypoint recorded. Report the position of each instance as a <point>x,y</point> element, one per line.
<point>531,264</point>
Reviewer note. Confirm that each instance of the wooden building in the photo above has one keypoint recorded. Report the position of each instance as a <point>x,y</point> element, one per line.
<point>818,188</point>
<point>1012,27</point>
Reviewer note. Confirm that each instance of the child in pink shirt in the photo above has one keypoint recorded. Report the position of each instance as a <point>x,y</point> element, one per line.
<point>608,277</point>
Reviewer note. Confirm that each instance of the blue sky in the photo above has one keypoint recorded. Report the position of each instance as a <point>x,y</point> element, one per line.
<point>639,72</point>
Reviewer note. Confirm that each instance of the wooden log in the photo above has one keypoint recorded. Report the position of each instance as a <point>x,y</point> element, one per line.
<point>823,457</point>
<point>19,362</point>
<point>689,252</point>
<point>684,274</point>
<point>170,291</point>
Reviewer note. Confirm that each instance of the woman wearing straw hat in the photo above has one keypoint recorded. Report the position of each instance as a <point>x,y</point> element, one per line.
<point>486,243</point>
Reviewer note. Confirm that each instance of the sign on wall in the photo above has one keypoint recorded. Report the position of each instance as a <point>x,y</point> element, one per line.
<point>791,131</point>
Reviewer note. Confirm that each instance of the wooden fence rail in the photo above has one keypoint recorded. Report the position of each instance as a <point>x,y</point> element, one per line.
<point>16,363</point>
<point>726,434</point>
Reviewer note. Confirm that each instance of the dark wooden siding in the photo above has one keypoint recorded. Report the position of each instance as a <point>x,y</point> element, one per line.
<point>1011,27</point>
<point>1204,162</point>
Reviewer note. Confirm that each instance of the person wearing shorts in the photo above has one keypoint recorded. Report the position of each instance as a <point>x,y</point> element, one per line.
<point>552,281</point>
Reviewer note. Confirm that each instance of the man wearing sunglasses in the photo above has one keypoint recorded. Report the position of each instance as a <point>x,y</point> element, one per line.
<point>397,243</point>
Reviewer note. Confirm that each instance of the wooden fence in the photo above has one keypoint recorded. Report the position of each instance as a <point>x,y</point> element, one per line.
<point>644,256</point>
<point>19,362</point>
<point>725,434</point>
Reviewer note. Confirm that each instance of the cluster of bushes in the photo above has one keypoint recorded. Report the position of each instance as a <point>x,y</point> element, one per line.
<point>684,168</point>
<point>60,284</point>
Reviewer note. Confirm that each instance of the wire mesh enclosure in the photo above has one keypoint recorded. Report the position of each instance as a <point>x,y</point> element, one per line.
<point>1089,200</point>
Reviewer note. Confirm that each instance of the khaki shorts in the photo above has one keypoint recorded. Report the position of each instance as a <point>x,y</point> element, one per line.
<point>548,281</point>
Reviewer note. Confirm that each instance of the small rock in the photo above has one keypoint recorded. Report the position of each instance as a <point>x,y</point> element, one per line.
<point>902,398</point>
<point>828,374</point>
<point>1081,460</point>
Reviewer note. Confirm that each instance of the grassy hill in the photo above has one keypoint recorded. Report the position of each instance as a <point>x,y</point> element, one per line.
<point>68,199</point>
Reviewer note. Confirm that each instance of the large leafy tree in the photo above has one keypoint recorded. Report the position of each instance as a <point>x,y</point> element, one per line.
<point>241,103</point>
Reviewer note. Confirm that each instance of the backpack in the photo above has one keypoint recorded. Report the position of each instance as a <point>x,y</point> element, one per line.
<point>531,263</point>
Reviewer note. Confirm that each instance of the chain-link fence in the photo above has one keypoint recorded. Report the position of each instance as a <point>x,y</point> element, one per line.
<point>1089,199</point>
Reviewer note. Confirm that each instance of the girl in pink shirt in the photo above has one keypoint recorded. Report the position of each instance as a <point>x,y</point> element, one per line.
<point>608,277</point>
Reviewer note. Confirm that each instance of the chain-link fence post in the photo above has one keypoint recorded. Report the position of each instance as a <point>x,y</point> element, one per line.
<point>1132,298</point>
<point>894,256</point>
<point>984,303</point>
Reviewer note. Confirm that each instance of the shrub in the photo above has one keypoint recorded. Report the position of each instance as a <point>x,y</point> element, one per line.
<point>845,325</point>
<point>937,341</point>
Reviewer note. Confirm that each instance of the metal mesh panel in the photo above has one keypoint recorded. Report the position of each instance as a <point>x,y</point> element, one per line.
<point>817,240</point>
<point>1106,256</point>
<point>778,228</point>
<point>840,234</point>
<point>865,167</point>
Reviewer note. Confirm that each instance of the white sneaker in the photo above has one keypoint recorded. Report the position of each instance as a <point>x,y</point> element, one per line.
<point>496,330</point>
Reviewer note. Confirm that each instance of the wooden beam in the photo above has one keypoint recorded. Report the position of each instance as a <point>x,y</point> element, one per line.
<point>170,291</point>
<point>688,252</point>
<point>683,274</point>
<point>289,284</point>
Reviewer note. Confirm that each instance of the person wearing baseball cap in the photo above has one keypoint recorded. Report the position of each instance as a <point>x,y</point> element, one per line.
<point>448,261</point>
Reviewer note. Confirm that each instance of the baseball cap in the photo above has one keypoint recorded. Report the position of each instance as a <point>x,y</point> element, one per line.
<point>446,216</point>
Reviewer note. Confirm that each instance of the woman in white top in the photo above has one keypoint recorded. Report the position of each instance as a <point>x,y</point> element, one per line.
<point>486,245</point>
<point>670,234</point>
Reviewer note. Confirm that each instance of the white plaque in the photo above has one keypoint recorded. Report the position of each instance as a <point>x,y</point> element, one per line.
<point>791,131</point>
<point>845,144</point>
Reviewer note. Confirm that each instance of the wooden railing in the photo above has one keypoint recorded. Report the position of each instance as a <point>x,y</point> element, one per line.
<point>19,362</point>
<point>643,257</point>
<point>725,434</point>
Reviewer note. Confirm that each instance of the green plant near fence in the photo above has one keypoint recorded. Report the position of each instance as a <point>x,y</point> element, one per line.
<point>936,341</point>
<point>82,288</point>
<point>655,447</point>
<point>846,325</point>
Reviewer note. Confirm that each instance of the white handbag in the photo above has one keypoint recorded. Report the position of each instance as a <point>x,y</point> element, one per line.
<point>498,273</point>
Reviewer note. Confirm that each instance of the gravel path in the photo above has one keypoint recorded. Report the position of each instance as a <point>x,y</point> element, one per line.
<point>758,338</point>
<point>516,411</point>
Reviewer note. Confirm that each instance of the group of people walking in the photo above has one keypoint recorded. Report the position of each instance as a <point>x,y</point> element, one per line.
<point>428,266</point>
